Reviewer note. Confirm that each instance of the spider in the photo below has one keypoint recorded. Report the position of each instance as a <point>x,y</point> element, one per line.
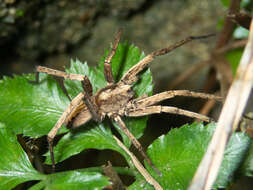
<point>116,99</point>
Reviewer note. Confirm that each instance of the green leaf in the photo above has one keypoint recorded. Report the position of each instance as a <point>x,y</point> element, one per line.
<point>75,87</point>
<point>178,154</point>
<point>38,186</point>
<point>140,183</point>
<point>247,168</point>
<point>31,109</point>
<point>15,167</point>
<point>234,58</point>
<point>75,180</point>
<point>235,153</point>
<point>245,3</point>
<point>89,136</point>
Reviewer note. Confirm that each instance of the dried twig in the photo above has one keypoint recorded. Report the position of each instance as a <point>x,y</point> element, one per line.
<point>197,67</point>
<point>114,177</point>
<point>229,25</point>
<point>207,107</point>
<point>231,46</point>
<point>220,66</point>
<point>241,18</point>
<point>236,44</point>
<point>230,116</point>
<point>139,166</point>
<point>188,73</point>
<point>225,36</point>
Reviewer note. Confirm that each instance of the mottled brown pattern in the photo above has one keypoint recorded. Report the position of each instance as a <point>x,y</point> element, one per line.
<point>117,99</point>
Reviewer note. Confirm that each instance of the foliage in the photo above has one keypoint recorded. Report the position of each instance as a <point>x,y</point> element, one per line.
<point>16,168</point>
<point>178,153</point>
<point>32,110</point>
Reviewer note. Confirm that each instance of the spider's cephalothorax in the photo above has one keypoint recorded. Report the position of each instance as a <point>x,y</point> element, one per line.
<point>117,99</point>
<point>111,100</point>
<point>114,99</point>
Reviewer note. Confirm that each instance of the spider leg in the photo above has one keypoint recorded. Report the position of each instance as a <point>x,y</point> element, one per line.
<point>136,143</point>
<point>41,69</point>
<point>131,76</point>
<point>37,78</point>
<point>166,109</point>
<point>61,84</point>
<point>87,87</point>
<point>74,104</point>
<point>57,73</point>
<point>151,100</point>
<point>107,66</point>
<point>90,103</point>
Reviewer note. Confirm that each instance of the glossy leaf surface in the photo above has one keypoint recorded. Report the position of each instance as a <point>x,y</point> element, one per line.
<point>178,154</point>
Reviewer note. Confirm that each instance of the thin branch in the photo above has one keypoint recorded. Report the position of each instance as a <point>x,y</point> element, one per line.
<point>229,119</point>
<point>197,67</point>
<point>114,177</point>
<point>231,46</point>
<point>187,74</point>
<point>207,107</point>
<point>229,25</point>
<point>220,67</point>
<point>241,18</point>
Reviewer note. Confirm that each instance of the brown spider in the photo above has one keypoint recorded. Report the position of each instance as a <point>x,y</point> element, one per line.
<point>117,99</point>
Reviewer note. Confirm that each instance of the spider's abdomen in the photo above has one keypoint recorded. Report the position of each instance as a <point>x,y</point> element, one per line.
<point>113,100</point>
